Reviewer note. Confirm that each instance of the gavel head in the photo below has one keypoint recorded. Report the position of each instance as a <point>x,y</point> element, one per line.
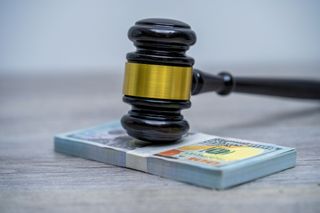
<point>158,80</point>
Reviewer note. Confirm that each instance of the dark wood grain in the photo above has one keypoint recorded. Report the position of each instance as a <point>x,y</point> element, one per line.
<point>33,178</point>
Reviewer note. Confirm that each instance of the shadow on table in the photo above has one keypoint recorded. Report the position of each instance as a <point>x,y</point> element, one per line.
<point>268,119</point>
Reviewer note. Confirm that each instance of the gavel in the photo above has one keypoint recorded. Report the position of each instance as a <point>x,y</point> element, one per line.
<point>159,80</point>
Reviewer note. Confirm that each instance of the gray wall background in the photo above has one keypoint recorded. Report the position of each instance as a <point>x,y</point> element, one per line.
<point>78,35</point>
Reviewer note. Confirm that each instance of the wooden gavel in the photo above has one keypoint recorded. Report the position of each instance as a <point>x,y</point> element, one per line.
<point>159,79</point>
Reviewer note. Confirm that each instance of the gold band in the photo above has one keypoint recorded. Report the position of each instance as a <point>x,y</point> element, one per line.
<point>157,81</point>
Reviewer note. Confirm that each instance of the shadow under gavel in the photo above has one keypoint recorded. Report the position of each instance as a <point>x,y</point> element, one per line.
<point>159,79</point>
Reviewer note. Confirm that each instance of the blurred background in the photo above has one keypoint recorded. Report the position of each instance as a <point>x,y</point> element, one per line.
<point>91,35</point>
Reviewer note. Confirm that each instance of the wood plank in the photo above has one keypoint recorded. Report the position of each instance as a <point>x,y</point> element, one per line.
<point>33,178</point>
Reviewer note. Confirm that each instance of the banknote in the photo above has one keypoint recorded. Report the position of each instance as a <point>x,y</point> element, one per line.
<point>218,151</point>
<point>200,159</point>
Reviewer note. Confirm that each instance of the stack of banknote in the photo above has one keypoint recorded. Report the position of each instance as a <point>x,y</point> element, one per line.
<point>199,159</point>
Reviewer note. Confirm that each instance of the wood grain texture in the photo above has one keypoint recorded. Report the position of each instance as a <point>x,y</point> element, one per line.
<point>33,178</point>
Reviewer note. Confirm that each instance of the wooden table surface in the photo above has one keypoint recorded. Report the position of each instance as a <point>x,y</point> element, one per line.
<point>33,178</point>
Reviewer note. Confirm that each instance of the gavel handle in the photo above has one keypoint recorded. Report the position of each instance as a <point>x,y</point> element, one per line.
<point>224,83</point>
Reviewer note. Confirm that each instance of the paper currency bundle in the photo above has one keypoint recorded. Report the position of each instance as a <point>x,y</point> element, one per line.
<point>199,159</point>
